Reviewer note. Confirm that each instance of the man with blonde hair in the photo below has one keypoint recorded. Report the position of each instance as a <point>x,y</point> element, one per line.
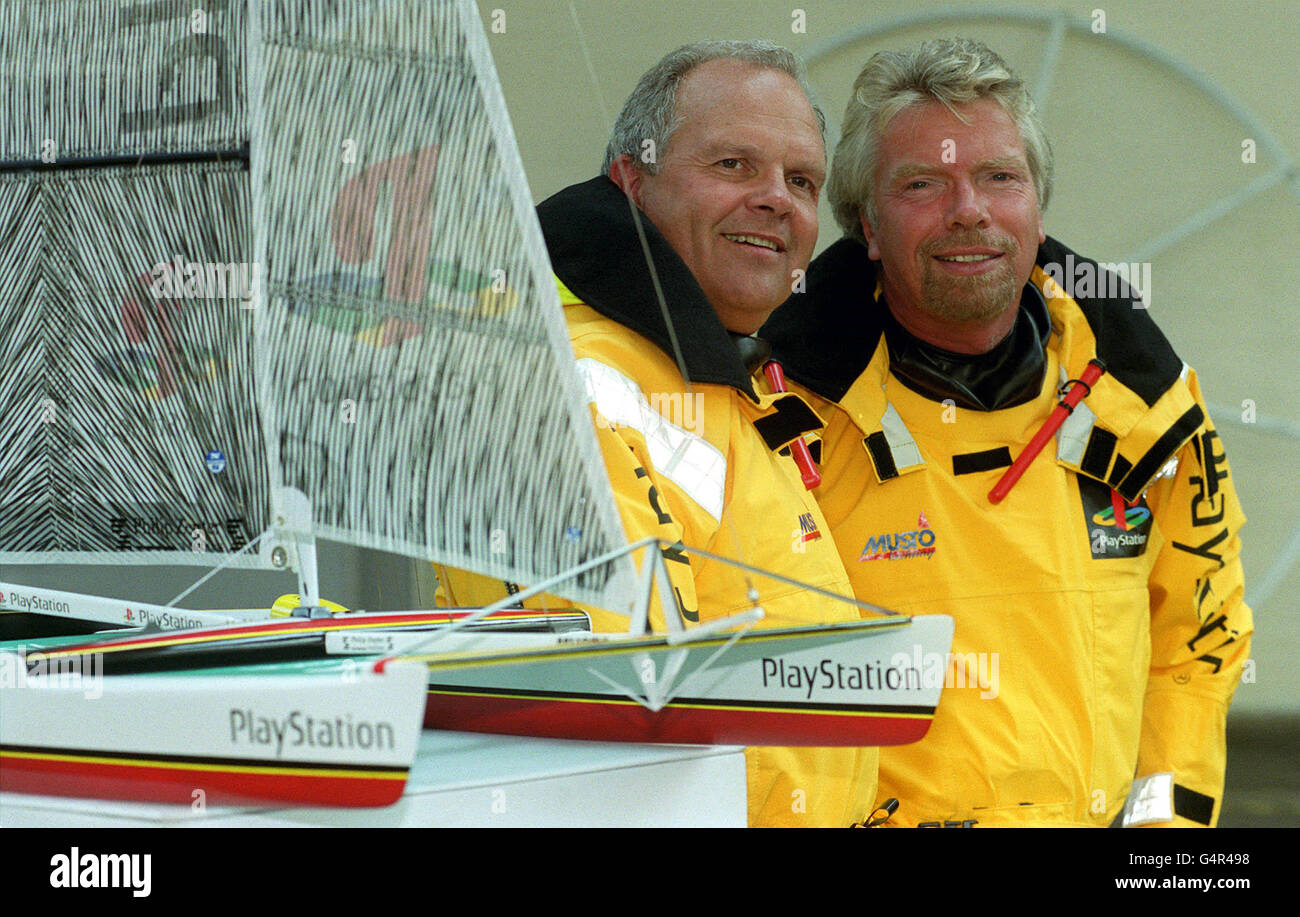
<point>1088,551</point>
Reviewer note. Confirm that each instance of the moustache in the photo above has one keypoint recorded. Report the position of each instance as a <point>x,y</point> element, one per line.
<point>1007,245</point>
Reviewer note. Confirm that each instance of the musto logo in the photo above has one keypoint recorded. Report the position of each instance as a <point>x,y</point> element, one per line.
<point>894,545</point>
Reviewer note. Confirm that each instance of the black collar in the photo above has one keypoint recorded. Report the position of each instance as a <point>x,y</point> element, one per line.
<point>1009,374</point>
<point>825,337</point>
<point>826,334</point>
<point>596,251</point>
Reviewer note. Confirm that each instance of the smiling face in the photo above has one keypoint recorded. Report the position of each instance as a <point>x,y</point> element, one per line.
<point>737,188</point>
<point>957,223</point>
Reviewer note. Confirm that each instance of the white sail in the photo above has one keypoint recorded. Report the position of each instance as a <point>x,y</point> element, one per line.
<point>387,339</point>
<point>130,429</point>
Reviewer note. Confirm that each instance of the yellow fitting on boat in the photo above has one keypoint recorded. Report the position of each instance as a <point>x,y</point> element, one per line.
<point>283,606</point>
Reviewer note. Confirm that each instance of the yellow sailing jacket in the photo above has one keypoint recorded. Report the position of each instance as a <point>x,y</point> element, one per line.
<point>701,464</point>
<point>1087,651</point>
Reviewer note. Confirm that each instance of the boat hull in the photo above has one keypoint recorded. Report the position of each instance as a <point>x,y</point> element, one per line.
<point>684,721</point>
<point>825,686</point>
<point>342,731</point>
<point>340,737</point>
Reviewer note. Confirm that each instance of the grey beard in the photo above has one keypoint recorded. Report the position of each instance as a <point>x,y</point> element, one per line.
<point>967,299</point>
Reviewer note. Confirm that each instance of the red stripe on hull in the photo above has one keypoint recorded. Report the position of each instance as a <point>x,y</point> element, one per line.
<point>617,721</point>
<point>146,783</point>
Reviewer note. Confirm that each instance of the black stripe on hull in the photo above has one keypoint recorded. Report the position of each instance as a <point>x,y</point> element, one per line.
<point>128,757</point>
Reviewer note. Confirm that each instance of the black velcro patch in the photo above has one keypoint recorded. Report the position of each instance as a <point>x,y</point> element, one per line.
<point>1161,451</point>
<point>1193,805</point>
<point>881,455</point>
<point>1096,458</point>
<point>1122,466</point>
<point>971,462</point>
<point>792,419</point>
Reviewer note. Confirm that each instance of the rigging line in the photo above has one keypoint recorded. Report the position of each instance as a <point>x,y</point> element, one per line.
<point>790,581</point>
<point>632,207</point>
<point>213,572</point>
<point>737,546</point>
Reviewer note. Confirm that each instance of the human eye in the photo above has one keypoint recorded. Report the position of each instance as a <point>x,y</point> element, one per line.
<point>1006,176</point>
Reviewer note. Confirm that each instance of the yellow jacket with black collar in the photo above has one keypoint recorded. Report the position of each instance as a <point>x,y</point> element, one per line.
<point>697,460</point>
<point>1089,650</point>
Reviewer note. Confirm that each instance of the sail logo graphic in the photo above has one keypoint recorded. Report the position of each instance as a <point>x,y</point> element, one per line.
<point>411,276</point>
<point>200,49</point>
<point>919,542</point>
<point>215,461</point>
<point>157,361</point>
<point>808,528</point>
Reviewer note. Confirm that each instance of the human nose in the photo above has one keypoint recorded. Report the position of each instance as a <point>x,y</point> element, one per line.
<point>771,192</point>
<point>969,207</point>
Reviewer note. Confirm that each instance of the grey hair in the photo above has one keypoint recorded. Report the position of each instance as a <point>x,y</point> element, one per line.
<point>952,71</point>
<point>650,112</point>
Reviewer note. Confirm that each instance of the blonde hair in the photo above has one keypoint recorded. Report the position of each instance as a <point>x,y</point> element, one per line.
<point>952,71</point>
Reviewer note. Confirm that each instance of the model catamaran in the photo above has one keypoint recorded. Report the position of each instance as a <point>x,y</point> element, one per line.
<point>272,274</point>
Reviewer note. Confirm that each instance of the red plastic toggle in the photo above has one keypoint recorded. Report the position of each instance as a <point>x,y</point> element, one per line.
<point>798,448</point>
<point>1076,393</point>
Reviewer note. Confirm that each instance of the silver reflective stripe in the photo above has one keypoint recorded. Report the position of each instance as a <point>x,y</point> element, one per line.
<point>1072,438</point>
<point>1150,801</point>
<point>689,461</point>
<point>904,449</point>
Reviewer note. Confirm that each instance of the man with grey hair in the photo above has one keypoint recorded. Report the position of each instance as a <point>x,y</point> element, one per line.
<point>1094,580</point>
<point>667,263</point>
